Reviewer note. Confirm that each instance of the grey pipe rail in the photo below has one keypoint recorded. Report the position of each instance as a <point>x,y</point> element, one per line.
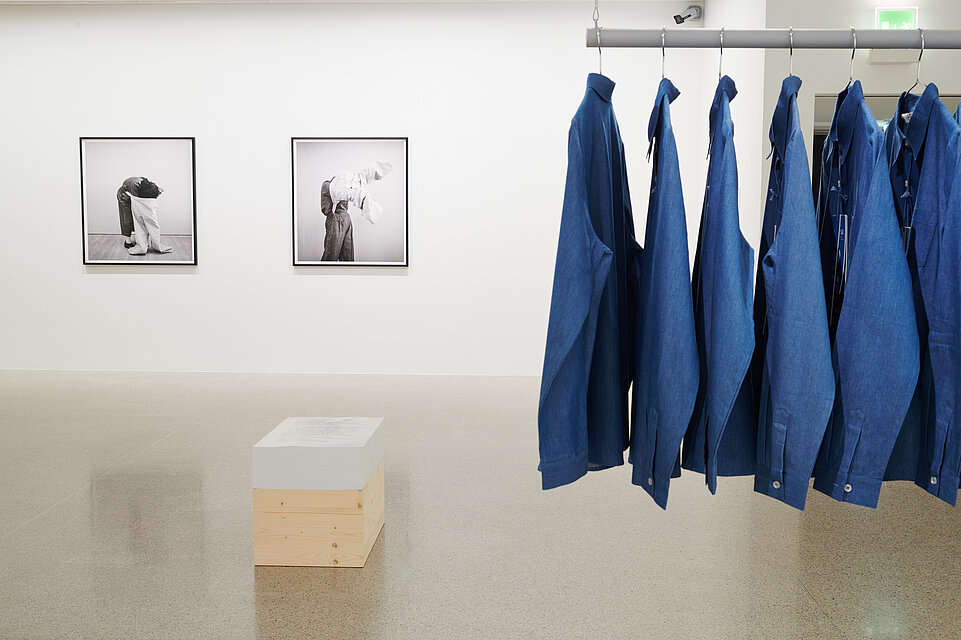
<point>775,38</point>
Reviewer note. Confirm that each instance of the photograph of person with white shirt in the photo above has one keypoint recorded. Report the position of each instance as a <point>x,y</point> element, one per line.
<point>350,201</point>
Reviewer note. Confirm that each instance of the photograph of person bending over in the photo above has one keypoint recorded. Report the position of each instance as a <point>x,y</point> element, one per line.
<point>128,217</point>
<point>137,200</point>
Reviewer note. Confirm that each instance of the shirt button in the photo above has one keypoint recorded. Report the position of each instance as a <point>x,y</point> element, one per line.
<point>650,482</point>
<point>776,484</point>
<point>848,488</point>
<point>934,480</point>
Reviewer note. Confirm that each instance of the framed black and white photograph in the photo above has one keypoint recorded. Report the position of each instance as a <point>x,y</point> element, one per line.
<point>139,200</point>
<point>349,201</point>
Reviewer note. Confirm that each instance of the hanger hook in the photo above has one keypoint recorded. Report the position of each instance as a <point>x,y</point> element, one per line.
<point>600,59</point>
<point>854,48</point>
<point>720,58</point>
<point>791,54</point>
<point>597,29</point>
<point>917,77</point>
<point>663,53</point>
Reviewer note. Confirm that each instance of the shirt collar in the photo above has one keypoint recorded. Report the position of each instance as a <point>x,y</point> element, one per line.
<point>918,125</point>
<point>833,132</point>
<point>779,124</point>
<point>831,139</point>
<point>602,86</point>
<point>665,89</point>
<point>847,114</point>
<point>724,88</point>
<point>894,136</point>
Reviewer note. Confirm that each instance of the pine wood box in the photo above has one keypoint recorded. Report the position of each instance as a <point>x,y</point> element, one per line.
<point>318,497</point>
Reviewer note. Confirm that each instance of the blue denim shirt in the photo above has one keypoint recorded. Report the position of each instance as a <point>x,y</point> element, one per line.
<point>831,220</point>
<point>923,153</point>
<point>794,378</point>
<point>582,418</point>
<point>876,346</point>
<point>906,457</point>
<point>722,436</point>
<point>666,364</point>
<point>957,118</point>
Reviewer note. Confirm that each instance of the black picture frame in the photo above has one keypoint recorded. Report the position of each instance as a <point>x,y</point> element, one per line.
<point>151,260</point>
<point>296,259</point>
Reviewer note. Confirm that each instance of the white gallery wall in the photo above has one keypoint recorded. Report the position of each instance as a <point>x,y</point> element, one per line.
<point>484,92</point>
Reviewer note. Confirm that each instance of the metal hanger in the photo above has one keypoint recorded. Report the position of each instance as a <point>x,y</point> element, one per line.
<point>650,147</point>
<point>720,58</point>
<point>854,49</point>
<point>791,54</point>
<point>663,54</point>
<point>720,62</point>
<point>790,35</point>
<point>917,77</point>
<point>597,28</point>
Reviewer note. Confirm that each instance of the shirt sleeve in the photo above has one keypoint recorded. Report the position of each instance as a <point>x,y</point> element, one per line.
<point>798,355</point>
<point>375,171</point>
<point>944,339</point>
<point>877,333</point>
<point>580,271</point>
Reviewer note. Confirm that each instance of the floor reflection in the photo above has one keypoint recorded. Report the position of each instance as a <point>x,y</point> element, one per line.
<point>337,602</point>
<point>146,517</point>
<point>871,569</point>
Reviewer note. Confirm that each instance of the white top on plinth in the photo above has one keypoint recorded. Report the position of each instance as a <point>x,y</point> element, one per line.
<point>319,453</point>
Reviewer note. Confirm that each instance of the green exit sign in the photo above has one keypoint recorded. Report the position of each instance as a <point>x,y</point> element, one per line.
<point>897,18</point>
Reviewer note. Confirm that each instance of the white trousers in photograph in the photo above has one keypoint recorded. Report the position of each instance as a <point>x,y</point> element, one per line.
<point>146,228</point>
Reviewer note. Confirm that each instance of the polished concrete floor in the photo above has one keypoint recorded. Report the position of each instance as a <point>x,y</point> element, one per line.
<point>126,513</point>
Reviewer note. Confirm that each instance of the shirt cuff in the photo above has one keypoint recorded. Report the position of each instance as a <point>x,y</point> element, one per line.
<point>657,486</point>
<point>560,472</point>
<point>789,487</point>
<point>944,486</point>
<point>848,487</point>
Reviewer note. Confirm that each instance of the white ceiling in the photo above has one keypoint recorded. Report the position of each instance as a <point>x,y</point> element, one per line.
<point>138,2</point>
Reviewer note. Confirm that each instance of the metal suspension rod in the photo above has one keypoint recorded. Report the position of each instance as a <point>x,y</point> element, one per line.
<point>778,38</point>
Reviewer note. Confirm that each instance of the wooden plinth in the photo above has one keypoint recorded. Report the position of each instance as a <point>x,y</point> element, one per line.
<point>306,528</point>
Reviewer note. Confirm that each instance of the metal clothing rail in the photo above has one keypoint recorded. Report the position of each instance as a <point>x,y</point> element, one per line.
<point>775,38</point>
